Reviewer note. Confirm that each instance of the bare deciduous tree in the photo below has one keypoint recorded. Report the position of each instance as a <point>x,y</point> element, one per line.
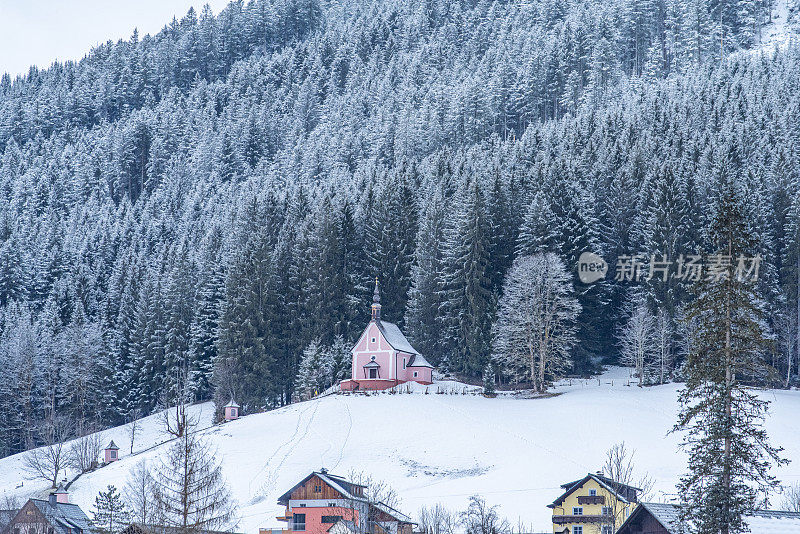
<point>480,518</point>
<point>619,467</point>
<point>49,461</point>
<point>437,520</point>
<point>791,498</point>
<point>134,424</point>
<point>376,492</point>
<point>176,398</point>
<point>638,342</point>
<point>84,451</point>
<point>535,329</point>
<point>139,494</point>
<point>664,335</point>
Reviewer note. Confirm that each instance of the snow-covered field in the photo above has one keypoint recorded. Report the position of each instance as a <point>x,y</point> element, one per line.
<point>436,448</point>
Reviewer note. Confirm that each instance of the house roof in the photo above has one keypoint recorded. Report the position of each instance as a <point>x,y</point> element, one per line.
<point>759,522</point>
<point>232,404</point>
<point>391,332</point>
<point>388,510</point>
<point>112,446</point>
<point>341,485</point>
<point>5,517</point>
<point>417,360</point>
<point>609,484</point>
<point>63,516</point>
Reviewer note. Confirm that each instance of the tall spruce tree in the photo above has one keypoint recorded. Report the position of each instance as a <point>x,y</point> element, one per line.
<point>467,306</point>
<point>721,418</point>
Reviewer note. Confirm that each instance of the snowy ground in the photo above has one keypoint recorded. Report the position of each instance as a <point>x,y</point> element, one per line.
<point>437,447</point>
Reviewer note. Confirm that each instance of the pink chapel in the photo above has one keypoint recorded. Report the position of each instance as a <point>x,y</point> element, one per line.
<point>383,357</point>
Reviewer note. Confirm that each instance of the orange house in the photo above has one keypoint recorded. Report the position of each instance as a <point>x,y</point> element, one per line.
<point>322,503</point>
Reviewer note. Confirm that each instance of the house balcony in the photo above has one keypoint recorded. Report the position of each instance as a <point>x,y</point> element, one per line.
<point>587,518</point>
<point>591,499</point>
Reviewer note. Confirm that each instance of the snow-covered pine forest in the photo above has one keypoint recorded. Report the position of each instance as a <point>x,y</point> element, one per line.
<point>214,200</point>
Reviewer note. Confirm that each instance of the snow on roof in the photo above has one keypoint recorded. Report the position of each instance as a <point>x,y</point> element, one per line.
<point>759,522</point>
<point>336,482</point>
<point>232,404</point>
<point>620,490</point>
<point>388,510</point>
<point>112,445</point>
<point>5,517</point>
<point>418,360</point>
<point>68,516</point>
<point>395,337</point>
<point>666,514</point>
<point>774,522</point>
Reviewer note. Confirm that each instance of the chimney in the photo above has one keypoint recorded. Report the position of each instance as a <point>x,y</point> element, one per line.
<point>60,496</point>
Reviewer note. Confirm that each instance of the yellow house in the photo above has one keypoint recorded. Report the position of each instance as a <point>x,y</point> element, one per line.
<point>593,505</point>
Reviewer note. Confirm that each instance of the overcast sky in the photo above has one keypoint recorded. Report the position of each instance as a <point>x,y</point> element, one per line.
<point>37,32</point>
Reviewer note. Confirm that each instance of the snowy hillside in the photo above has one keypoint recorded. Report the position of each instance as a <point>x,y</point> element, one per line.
<point>438,448</point>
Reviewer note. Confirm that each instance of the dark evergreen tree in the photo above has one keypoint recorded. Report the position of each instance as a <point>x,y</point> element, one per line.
<point>722,420</point>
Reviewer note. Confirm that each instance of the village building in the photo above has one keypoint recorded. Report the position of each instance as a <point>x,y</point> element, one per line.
<point>594,504</point>
<point>326,503</point>
<point>111,453</point>
<point>383,357</point>
<point>53,516</point>
<point>661,518</point>
<point>136,528</point>
<point>232,411</point>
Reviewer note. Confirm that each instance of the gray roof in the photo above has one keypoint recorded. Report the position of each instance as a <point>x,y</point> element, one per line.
<point>620,490</point>
<point>388,510</point>
<point>5,517</point>
<point>341,485</point>
<point>112,446</point>
<point>759,522</point>
<point>666,514</point>
<point>395,337</point>
<point>63,516</point>
<point>418,360</point>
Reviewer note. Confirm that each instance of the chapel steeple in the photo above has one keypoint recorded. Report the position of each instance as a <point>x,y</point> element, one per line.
<point>376,302</point>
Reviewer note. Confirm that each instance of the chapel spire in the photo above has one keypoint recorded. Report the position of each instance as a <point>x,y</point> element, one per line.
<point>376,302</point>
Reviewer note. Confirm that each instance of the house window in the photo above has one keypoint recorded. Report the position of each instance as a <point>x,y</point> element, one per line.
<point>373,340</point>
<point>317,489</point>
<point>592,492</point>
<point>373,373</point>
<point>233,412</point>
<point>606,510</point>
<point>331,504</point>
<point>606,529</point>
<point>113,454</point>
<point>577,529</point>
<point>415,374</point>
<point>577,510</point>
<point>299,522</point>
<point>331,518</point>
<point>404,364</point>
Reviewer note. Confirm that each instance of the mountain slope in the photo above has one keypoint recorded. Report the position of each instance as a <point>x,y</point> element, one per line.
<point>440,448</point>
